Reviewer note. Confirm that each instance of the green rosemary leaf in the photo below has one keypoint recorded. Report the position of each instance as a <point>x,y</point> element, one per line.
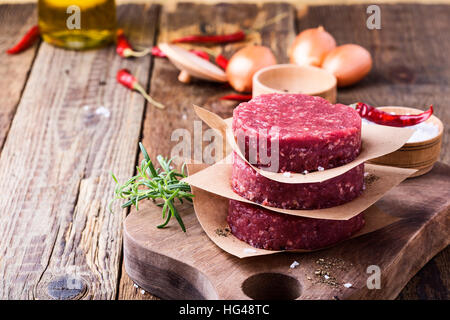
<point>153,184</point>
<point>165,222</point>
<point>144,152</point>
<point>177,216</point>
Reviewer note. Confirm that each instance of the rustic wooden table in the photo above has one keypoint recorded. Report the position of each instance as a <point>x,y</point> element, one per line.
<point>65,124</point>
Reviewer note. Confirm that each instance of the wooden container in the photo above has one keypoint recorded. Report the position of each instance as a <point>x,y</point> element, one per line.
<point>419,155</point>
<point>289,78</point>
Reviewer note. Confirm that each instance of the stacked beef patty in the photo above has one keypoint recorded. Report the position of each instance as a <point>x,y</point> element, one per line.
<point>294,133</point>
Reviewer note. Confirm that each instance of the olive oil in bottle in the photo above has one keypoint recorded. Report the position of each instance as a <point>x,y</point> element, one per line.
<point>77,24</point>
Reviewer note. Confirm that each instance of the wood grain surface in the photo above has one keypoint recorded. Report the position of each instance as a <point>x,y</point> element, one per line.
<point>15,20</point>
<point>73,126</point>
<point>54,168</point>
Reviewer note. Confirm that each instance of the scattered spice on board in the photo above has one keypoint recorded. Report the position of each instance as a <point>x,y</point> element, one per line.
<point>370,178</point>
<point>326,269</point>
<point>223,232</point>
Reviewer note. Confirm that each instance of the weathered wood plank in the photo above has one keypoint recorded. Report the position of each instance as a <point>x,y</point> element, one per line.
<point>411,68</point>
<point>432,282</point>
<point>187,19</point>
<point>74,125</point>
<point>15,20</point>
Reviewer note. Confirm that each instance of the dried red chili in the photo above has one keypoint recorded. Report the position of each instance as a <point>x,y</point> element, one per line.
<point>202,54</point>
<point>125,78</point>
<point>237,97</point>
<point>156,51</point>
<point>124,49</point>
<point>222,61</point>
<point>384,118</point>
<point>27,41</point>
<point>224,38</point>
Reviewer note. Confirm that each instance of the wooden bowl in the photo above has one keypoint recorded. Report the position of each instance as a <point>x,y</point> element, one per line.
<point>418,155</point>
<point>290,78</point>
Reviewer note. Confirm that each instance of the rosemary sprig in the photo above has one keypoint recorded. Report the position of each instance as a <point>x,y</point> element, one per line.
<point>155,183</point>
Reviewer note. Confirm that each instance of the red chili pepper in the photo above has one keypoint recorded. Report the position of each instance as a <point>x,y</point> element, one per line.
<point>237,97</point>
<point>384,118</point>
<point>202,54</point>
<point>224,38</point>
<point>222,61</point>
<point>156,51</point>
<point>27,41</point>
<point>124,49</point>
<point>125,78</point>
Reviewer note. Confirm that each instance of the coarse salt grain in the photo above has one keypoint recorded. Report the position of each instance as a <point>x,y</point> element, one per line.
<point>287,174</point>
<point>320,168</point>
<point>347,285</point>
<point>326,277</point>
<point>422,131</point>
<point>366,174</point>
<point>103,111</point>
<point>305,172</point>
<point>294,265</point>
<point>142,291</point>
<point>135,285</point>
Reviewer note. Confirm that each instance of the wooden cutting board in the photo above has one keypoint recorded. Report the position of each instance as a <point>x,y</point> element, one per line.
<point>175,265</point>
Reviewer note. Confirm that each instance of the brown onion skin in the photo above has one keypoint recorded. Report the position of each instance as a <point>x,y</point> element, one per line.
<point>311,46</point>
<point>349,63</point>
<point>245,63</point>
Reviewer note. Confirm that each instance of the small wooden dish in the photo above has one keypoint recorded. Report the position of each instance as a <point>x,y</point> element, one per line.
<point>290,78</point>
<point>418,155</point>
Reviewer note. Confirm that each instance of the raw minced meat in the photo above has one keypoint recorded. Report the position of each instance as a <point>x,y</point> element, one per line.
<point>251,185</point>
<point>311,132</point>
<point>262,228</point>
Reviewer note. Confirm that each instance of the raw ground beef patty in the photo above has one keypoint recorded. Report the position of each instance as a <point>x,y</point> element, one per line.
<point>270,230</point>
<point>249,184</point>
<point>312,132</point>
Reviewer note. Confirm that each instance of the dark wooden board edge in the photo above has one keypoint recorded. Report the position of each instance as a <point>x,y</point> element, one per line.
<point>421,235</point>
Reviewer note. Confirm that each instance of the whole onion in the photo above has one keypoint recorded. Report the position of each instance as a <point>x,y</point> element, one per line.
<point>245,63</point>
<point>349,63</point>
<point>311,46</point>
